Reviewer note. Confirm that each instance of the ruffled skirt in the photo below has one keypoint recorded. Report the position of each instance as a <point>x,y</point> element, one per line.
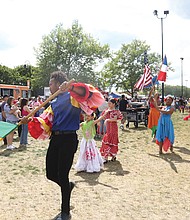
<point>110,141</point>
<point>89,159</point>
<point>165,132</point>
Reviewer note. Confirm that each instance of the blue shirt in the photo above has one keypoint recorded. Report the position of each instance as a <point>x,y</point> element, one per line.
<point>66,116</point>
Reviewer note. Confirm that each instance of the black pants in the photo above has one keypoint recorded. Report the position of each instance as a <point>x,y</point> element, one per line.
<point>19,130</point>
<point>59,160</point>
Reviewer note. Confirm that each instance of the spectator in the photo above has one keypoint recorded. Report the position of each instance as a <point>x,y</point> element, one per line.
<point>24,131</point>
<point>11,118</point>
<point>123,104</point>
<point>5,97</point>
<point>102,127</point>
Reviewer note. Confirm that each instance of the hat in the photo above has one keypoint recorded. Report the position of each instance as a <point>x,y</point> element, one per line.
<point>169,96</point>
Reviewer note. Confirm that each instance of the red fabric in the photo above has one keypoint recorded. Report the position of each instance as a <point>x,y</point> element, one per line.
<point>152,105</point>
<point>34,128</point>
<point>166,144</point>
<point>92,99</point>
<point>94,108</point>
<point>162,76</point>
<point>110,140</point>
<point>186,118</point>
<point>78,97</point>
<point>24,113</point>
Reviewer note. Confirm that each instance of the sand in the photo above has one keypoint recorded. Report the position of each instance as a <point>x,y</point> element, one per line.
<point>140,184</point>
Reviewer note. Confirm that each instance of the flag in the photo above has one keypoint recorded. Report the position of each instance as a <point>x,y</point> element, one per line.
<point>154,82</point>
<point>162,72</point>
<point>145,79</point>
<point>6,128</point>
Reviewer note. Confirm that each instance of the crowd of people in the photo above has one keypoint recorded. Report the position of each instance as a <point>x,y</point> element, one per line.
<point>12,111</point>
<point>61,118</point>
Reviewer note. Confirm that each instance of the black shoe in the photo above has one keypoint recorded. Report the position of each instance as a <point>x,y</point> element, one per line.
<point>105,161</point>
<point>113,159</point>
<point>63,216</point>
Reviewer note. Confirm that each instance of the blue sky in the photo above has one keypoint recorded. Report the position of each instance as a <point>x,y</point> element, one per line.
<point>23,23</point>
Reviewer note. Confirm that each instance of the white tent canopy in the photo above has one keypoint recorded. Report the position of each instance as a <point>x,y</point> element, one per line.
<point>118,95</point>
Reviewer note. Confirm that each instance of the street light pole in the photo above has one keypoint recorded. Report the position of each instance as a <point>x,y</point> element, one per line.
<point>182,76</point>
<point>186,86</point>
<point>162,39</point>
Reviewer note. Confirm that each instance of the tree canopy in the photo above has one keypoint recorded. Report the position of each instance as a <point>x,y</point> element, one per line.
<point>70,50</point>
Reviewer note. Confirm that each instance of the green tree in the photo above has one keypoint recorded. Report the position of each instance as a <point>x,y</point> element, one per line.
<point>127,65</point>
<point>176,91</point>
<point>23,73</point>
<point>70,50</point>
<point>7,75</point>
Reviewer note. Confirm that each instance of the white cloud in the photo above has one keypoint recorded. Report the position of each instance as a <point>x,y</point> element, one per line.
<point>23,23</point>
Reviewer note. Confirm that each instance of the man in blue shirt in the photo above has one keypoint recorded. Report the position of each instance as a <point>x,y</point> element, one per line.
<point>64,141</point>
<point>62,119</point>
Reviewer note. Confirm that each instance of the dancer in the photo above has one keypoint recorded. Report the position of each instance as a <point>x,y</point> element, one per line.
<point>165,131</point>
<point>110,140</point>
<point>89,159</point>
<point>186,118</point>
<point>154,114</point>
<point>59,122</point>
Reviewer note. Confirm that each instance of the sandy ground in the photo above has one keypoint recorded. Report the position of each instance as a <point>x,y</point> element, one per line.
<point>139,185</point>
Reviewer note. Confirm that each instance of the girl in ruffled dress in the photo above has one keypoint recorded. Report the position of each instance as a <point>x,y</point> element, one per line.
<point>110,140</point>
<point>89,159</point>
<point>165,130</point>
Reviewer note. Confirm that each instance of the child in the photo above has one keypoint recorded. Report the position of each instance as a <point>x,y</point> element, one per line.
<point>186,118</point>
<point>110,140</point>
<point>165,130</point>
<point>154,115</point>
<point>90,159</point>
<point>17,112</point>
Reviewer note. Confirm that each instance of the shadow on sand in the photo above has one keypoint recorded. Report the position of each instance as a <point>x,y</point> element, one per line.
<point>6,153</point>
<point>115,168</point>
<point>174,157</point>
